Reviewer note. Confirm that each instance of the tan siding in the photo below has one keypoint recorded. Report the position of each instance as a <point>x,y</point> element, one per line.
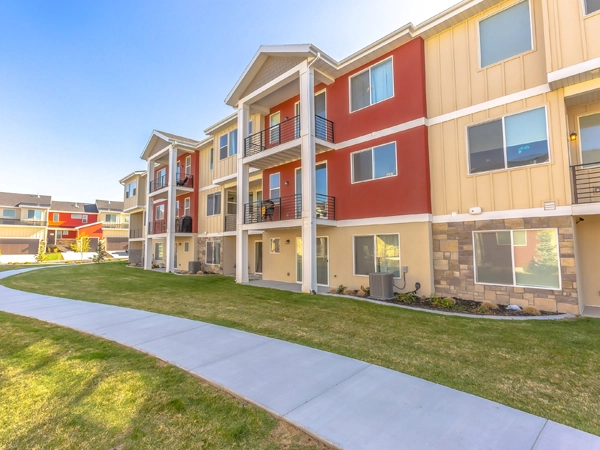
<point>454,79</point>
<point>573,115</point>
<point>454,190</point>
<point>210,224</point>
<point>138,200</point>
<point>22,232</point>
<point>271,69</point>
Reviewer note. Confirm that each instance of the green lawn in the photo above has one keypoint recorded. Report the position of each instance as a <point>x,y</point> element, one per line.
<point>62,389</point>
<point>548,368</point>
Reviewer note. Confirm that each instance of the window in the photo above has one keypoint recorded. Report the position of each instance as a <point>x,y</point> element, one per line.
<point>276,246</point>
<point>591,6</point>
<point>160,212</point>
<point>213,252</point>
<point>211,164</point>
<point>213,204</point>
<point>84,218</point>
<point>517,258</point>
<point>9,213</point>
<point>186,247</point>
<point>378,253</point>
<point>374,163</point>
<point>176,208</point>
<point>159,251</point>
<point>75,216</point>
<point>186,207</point>
<point>512,141</point>
<point>112,218</point>
<point>59,234</point>
<point>188,165</point>
<point>274,130</point>
<point>232,202</point>
<point>223,147</point>
<point>34,214</point>
<point>55,217</point>
<point>126,218</point>
<point>131,189</point>
<point>589,136</point>
<point>372,85</point>
<point>233,142</point>
<point>274,184</point>
<point>505,34</point>
<point>250,128</point>
<point>161,178</point>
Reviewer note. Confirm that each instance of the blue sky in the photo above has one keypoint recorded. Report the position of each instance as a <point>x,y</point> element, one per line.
<point>84,83</point>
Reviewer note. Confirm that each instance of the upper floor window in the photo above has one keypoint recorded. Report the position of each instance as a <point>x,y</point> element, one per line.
<point>161,178</point>
<point>112,218</point>
<point>591,6</point>
<point>589,138</point>
<point>505,34</point>
<point>213,204</point>
<point>274,185</point>
<point>34,214</point>
<point>75,216</point>
<point>55,217</point>
<point>131,189</point>
<point>84,218</point>
<point>223,147</point>
<point>511,141</point>
<point>186,207</point>
<point>374,163</point>
<point>160,212</point>
<point>9,213</point>
<point>250,128</point>
<point>188,165</point>
<point>211,163</point>
<point>371,86</point>
<point>233,142</point>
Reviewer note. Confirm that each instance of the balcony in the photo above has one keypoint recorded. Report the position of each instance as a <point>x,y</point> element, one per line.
<point>586,183</point>
<point>19,222</point>
<point>136,233</point>
<point>286,208</point>
<point>157,227</point>
<point>280,143</point>
<point>230,222</point>
<point>115,226</point>
<point>181,181</point>
<point>182,225</point>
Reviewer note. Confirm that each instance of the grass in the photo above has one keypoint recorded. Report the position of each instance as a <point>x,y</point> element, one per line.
<point>62,389</point>
<point>547,368</point>
<point>7,267</point>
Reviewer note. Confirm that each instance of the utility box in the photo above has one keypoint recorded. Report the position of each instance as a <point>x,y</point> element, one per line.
<point>382,285</point>
<point>194,266</point>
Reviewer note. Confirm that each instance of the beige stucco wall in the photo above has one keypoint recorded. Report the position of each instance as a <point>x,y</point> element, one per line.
<point>454,190</point>
<point>571,37</point>
<point>415,252</point>
<point>183,258</point>
<point>454,78</point>
<point>587,235</point>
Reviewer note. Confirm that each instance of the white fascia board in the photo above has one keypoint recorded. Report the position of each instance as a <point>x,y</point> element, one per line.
<point>132,174</point>
<point>223,123</point>
<point>573,70</point>
<point>386,220</point>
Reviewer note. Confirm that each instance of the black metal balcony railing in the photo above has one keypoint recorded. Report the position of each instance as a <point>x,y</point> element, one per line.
<point>287,208</point>
<point>586,183</point>
<point>158,183</point>
<point>230,222</point>
<point>115,226</point>
<point>31,223</point>
<point>157,227</point>
<point>136,233</point>
<point>323,129</point>
<point>181,180</point>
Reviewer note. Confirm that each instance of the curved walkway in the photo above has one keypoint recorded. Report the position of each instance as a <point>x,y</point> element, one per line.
<point>349,403</point>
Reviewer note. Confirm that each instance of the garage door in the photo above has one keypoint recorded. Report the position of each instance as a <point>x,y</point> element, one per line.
<point>19,246</point>
<point>93,244</point>
<point>116,244</point>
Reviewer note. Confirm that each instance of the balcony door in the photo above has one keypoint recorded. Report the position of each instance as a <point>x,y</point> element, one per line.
<point>322,260</point>
<point>274,120</point>
<point>297,120</point>
<point>321,175</point>
<point>589,136</point>
<point>320,113</point>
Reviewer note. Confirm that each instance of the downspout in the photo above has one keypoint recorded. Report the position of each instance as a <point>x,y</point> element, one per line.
<point>314,60</point>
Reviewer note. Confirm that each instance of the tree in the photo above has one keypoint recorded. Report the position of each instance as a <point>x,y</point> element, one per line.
<point>101,254</point>
<point>81,245</point>
<point>546,255</point>
<point>41,253</point>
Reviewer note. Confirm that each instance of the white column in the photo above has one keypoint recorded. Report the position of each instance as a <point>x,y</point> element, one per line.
<point>243,180</point>
<point>149,217</point>
<point>309,184</point>
<point>170,244</point>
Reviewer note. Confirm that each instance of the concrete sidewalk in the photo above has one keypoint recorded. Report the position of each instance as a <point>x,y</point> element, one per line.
<point>348,403</point>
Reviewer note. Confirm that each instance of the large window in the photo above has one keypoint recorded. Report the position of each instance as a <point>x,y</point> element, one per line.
<point>511,141</point>
<point>372,85</point>
<point>589,136</point>
<point>131,189</point>
<point>274,185</point>
<point>223,147</point>
<point>233,142</point>
<point>213,204</point>
<point>591,6</point>
<point>378,253</point>
<point>373,163</point>
<point>517,258</point>
<point>213,252</point>
<point>34,214</point>
<point>505,34</point>
<point>12,213</point>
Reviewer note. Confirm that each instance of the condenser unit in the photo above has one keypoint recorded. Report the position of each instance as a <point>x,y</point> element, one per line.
<point>382,285</point>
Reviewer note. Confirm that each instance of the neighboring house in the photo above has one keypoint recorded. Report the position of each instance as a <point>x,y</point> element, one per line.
<point>134,205</point>
<point>23,224</point>
<point>462,153</point>
<point>115,225</point>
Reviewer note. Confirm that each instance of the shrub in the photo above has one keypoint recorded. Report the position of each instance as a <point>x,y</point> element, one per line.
<point>532,310</point>
<point>366,290</point>
<point>489,305</point>
<point>446,303</point>
<point>409,297</point>
<point>341,288</point>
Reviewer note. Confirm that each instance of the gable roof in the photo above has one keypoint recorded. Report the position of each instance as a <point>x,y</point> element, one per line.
<point>74,207</point>
<point>168,138</point>
<point>107,205</point>
<point>16,200</point>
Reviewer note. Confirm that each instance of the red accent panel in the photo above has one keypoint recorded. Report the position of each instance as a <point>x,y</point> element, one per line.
<point>93,230</point>
<point>65,219</point>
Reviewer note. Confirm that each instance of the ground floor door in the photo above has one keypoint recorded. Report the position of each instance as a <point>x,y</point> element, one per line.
<point>258,257</point>
<point>587,230</point>
<point>322,260</point>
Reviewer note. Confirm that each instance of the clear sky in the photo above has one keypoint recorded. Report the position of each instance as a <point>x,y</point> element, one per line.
<point>84,82</point>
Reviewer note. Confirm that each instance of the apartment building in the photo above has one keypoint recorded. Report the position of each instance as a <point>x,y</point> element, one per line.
<point>462,153</point>
<point>134,204</point>
<point>23,222</point>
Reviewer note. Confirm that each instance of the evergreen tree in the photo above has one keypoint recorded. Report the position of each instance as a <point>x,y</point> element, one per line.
<point>546,255</point>
<point>101,254</point>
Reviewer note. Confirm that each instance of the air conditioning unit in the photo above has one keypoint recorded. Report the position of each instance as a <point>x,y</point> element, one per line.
<point>382,285</point>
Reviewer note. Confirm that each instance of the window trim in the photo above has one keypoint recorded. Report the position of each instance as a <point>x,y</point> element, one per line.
<point>512,255</point>
<point>221,147</point>
<point>188,167</point>
<point>373,162</point>
<point>270,185</point>
<point>55,217</point>
<point>211,159</point>
<point>362,71</point>
<point>579,143</point>
<point>187,201</point>
<point>584,10</point>
<point>229,146</point>
<point>213,210</point>
<point>13,210</point>
<point>186,247</point>
<point>374,235</point>
<point>531,25</point>
<point>159,208</point>
<point>271,246</point>
<point>206,259</point>
<point>469,174</point>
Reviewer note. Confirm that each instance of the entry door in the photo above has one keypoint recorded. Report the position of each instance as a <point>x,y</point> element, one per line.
<point>322,260</point>
<point>258,257</point>
<point>589,136</point>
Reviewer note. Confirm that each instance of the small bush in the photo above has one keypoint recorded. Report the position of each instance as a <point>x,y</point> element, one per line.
<point>409,297</point>
<point>489,305</point>
<point>341,288</point>
<point>366,290</point>
<point>447,302</point>
<point>349,292</point>
<point>532,310</point>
